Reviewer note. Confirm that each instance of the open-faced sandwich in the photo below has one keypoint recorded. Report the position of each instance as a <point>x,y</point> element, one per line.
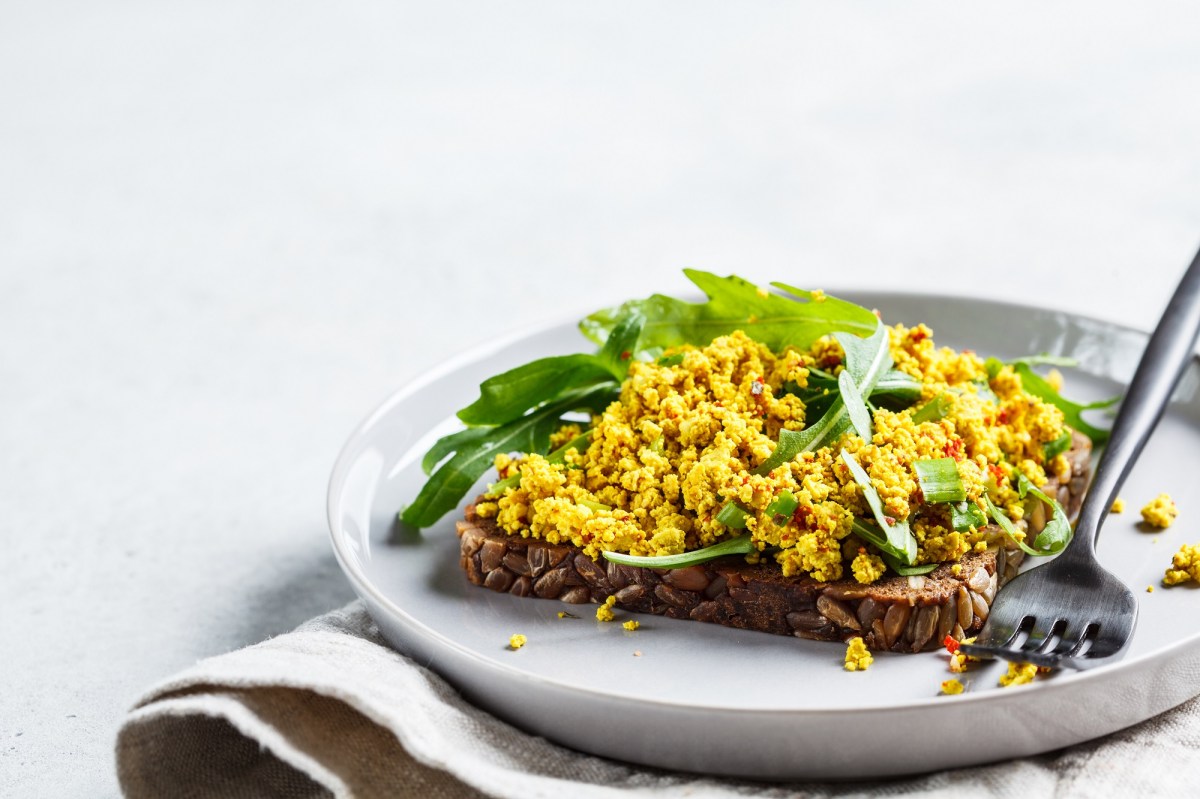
<point>779,461</point>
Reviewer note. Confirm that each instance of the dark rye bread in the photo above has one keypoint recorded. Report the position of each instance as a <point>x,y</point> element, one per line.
<point>897,613</point>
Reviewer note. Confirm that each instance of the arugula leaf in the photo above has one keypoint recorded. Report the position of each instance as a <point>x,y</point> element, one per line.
<point>1036,385</point>
<point>455,442</point>
<point>733,304</point>
<point>619,347</point>
<point>866,360</point>
<point>473,456</point>
<point>856,407</point>
<point>895,558</point>
<point>741,545</point>
<point>900,539</point>
<point>1008,527</point>
<point>1052,449</point>
<point>965,515</point>
<point>508,395</point>
<point>937,408</point>
<point>1057,532</point>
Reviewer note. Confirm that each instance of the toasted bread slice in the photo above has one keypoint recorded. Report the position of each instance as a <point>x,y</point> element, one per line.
<point>902,614</point>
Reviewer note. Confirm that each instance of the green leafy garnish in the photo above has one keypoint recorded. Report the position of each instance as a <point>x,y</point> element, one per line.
<point>740,545</point>
<point>733,516</point>
<point>784,504</point>
<point>901,542</point>
<point>966,515</point>
<point>939,480</point>
<point>1053,538</point>
<point>893,557</point>
<point>856,406</point>
<point>1057,532</point>
<point>1036,385</point>
<point>1052,449</point>
<point>473,455</point>
<point>934,410</point>
<point>671,360</point>
<point>734,304</point>
<point>866,360</point>
<point>509,395</point>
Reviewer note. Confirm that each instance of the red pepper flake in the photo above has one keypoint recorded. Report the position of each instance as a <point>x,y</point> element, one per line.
<point>950,644</point>
<point>890,521</point>
<point>802,516</point>
<point>997,472</point>
<point>626,355</point>
<point>954,449</point>
<point>1002,417</point>
<point>918,335</point>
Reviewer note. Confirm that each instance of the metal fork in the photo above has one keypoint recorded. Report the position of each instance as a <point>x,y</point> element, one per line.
<point>1071,612</point>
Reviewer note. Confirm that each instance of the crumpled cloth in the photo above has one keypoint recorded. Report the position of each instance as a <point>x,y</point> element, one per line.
<point>330,710</point>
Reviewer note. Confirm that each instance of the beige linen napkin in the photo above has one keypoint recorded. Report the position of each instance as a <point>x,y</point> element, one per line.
<point>329,709</point>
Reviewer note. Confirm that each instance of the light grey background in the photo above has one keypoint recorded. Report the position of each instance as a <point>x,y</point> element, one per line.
<point>228,229</point>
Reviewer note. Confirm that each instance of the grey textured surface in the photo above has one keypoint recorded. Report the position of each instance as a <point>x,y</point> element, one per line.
<point>227,230</point>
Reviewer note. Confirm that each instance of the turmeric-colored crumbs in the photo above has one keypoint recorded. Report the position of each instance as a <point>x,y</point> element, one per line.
<point>631,625</point>
<point>1018,674</point>
<point>1185,566</point>
<point>858,657</point>
<point>1118,505</point>
<point>685,436</point>
<point>951,687</point>
<point>604,612</point>
<point>1160,511</point>
<point>517,641</point>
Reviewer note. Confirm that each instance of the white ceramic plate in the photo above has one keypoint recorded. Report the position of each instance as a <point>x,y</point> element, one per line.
<point>710,699</point>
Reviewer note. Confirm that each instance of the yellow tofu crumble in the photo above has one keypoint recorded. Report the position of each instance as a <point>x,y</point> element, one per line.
<point>1185,566</point>
<point>604,612</point>
<point>517,641</point>
<point>688,431</point>
<point>858,657</point>
<point>1118,505</point>
<point>951,687</point>
<point>631,625</point>
<point>1018,674</point>
<point>1160,511</point>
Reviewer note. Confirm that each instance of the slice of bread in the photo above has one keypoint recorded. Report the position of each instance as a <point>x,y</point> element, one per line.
<point>902,614</point>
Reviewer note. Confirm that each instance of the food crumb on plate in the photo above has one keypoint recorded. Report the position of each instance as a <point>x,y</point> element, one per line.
<point>631,625</point>
<point>562,614</point>
<point>637,653</point>
<point>1149,589</point>
<point>959,660</point>
<point>604,612</point>
<point>517,641</point>
<point>1018,674</point>
<point>1185,566</point>
<point>1118,505</point>
<point>1160,511</point>
<point>951,687</point>
<point>858,657</point>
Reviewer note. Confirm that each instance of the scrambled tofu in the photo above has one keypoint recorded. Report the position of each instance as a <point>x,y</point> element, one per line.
<point>517,641</point>
<point>1018,674</point>
<point>1185,566</point>
<point>1160,512</point>
<point>858,657</point>
<point>631,625</point>
<point>1118,505</point>
<point>952,687</point>
<point>604,612</point>
<point>688,431</point>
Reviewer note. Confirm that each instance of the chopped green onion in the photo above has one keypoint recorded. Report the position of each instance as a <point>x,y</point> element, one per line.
<point>1052,449</point>
<point>596,506</point>
<point>671,360</point>
<point>733,516</point>
<point>993,366</point>
<point>741,545</point>
<point>783,505</point>
<point>898,536</point>
<point>966,515</point>
<point>939,480</point>
<point>937,408</point>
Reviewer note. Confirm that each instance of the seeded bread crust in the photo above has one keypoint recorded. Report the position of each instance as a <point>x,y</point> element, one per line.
<point>900,614</point>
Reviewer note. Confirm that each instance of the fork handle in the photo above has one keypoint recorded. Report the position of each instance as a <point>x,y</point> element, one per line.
<point>1158,373</point>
